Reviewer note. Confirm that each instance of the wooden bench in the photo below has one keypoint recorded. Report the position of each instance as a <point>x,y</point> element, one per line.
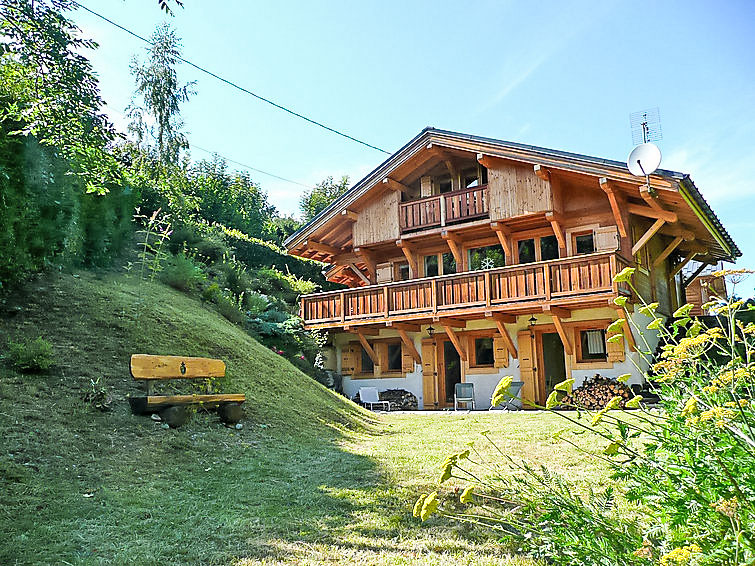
<point>149,369</point>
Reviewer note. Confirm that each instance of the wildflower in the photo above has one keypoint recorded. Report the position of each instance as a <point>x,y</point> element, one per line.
<point>620,301</point>
<point>725,272</point>
<point>552,400</point>
<point>655,324</point>
<point>649,310</point>
<point>633,403</point>
<point>726,507</point>
<point>683,311</point>
<point>616,325</point>
<point>599,416</point>
<point>615,338</point>
<point>614,403</point>
<point>418,505</point>
<point>446,475</point>
<point>680,556</point>
<point>467,495</point>
<point>625,275</point>
<point>690,407</point>
<point>500,391</point>
<point>718,414</point>
<point>565,386</point>
<point>429,506</point>
<point>624,377</point>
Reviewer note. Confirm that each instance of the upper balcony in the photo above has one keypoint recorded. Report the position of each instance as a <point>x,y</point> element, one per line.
<point>444,209</point>
<point>576,282</point>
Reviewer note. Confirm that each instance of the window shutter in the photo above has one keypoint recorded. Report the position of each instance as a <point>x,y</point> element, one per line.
<point>407,361</point>
<point>606,239</point>
<point>428,375</point>
<point>384,273</point>
<point>500,353</point>
<point>614,350</point>
<point>348,359</point>
<point>527,366</point>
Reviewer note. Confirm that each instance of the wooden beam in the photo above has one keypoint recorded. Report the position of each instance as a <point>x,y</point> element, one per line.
<point>455,340</point>
<point>408,327</point>
<point>648,212</point>
<point>568,347</point>
<point>617,201</point>
<point>557,311</point>
<point>627,330</point>
<point>366,330</point>
<point>542,172</point>
<point>504,235</point>
<point>349,215</point>
<point>667,252</point>
<point>323,248</point>
<point>394,185</point>
<point>410,257</point>
<point>367,348</point>
<point>369,261</point>
<point>678,229</point>
<point>555,220</point>
<point>506,338</point>
<point>453,245</point>
<point>409,345</point>
<point>647,235</point>
<point>505,318</point>
<point>446,321</point>
<point>681,264</point>
<point>359,273</point>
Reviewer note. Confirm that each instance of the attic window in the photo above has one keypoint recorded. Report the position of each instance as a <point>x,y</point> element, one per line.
<point>444,185</point>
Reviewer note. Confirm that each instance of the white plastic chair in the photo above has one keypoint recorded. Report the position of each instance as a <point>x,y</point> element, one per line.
<point>369,396</point>
<point>464,393</point>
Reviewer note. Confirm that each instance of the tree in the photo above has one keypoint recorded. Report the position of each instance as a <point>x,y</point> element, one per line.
<point>317,199</point>
<point>161,96</point>
<point>49,90</point>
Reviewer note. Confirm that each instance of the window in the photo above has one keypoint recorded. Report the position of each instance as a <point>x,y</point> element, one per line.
<point>584,243</point>
<point>431,265</point>
<point>483,352</point>
<point>444,185</point>
<point>367,365</point>
<point>592,346</point>
<point>449,263</point>
<point>402,271</point>
<point>470,178</point>
<point>486,258</point>
<point>394,357</point>
<point>537,249</point>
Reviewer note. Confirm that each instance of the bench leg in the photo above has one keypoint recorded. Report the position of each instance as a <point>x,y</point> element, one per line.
<point>231,413</point>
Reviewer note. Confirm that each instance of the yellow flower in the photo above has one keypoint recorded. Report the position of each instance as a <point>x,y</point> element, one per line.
<point>429,506</point>
<point>616,325</point>
<point>565,386</point>
<point>625,275</point>
<point>680,556</point>
<point>552,400</point>
<point>634,402</point>
<point>500,391</point>
<point>418,505</point>
<point>649,310</point>
<point>620,301</point>
<point>614,403</point>
<point>655,324</point>
<point>726,507</point>
<point>683,311</point>
<point>467,496</point>
<point>598,416</point>
<point>690,407</point>
<point>624,377</point>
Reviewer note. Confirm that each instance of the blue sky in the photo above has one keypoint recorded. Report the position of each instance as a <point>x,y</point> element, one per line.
<point>564,75</point>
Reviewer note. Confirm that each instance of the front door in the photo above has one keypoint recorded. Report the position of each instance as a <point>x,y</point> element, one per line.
<point>449,367</point>
<point>552,362</point>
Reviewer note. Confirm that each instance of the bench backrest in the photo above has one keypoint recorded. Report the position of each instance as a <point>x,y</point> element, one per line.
<point>369,395</point>
<point>464,391</point>
<point>145,366</point>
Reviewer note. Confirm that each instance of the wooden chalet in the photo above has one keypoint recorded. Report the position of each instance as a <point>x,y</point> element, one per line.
<point>467,259</point>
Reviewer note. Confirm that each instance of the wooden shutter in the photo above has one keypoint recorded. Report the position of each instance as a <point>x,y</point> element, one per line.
<point>500,352</point>
<point>527,366</point>
<point>384,273</point>
<point>614,350</point>
<point>407,361</point>
<point>349,354</point>
<point>428,375</point>
<point>606,239</point>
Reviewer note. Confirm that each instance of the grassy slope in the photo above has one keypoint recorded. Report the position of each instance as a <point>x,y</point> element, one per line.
<point>311,478</point>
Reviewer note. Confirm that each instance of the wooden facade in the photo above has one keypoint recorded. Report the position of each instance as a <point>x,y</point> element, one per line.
<point>478,238</point>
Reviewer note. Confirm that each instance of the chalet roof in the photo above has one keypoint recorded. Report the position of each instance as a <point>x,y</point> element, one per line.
<point>527,153</point>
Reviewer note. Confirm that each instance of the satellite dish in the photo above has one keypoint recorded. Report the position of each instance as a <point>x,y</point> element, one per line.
<point>644,159</point>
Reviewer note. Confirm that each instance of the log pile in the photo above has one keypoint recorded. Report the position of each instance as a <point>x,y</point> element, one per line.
<point>595,392</point>
<point>400,399</point>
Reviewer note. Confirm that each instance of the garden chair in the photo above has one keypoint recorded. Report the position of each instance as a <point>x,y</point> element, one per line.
<point>464,393</point>
<point>512,395</point>
<point>369,396</point>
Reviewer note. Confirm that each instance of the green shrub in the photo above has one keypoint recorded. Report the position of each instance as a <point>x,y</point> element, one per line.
<point>687,470</point>
<point>230,308</point>
<point>182,273</point>
<point>31,355</point>
<point>256,303</point>
<point>212,293</point>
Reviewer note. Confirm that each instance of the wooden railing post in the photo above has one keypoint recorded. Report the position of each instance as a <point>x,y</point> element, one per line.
<point>434,296</point>
<point>442,210</point>
<point>487,288</point>
<point>547,281</point>
<point>385,302</point>
<point>342,297</point>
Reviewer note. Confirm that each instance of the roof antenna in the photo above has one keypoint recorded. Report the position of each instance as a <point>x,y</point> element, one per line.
<point>645,157</point>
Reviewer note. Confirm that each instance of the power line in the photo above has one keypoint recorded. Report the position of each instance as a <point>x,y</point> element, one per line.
<point>228,159</point>
<point>236,86</point>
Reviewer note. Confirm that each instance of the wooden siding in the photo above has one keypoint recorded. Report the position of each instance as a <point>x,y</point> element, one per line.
<point>532,285</point>
<point>378,220</point>
<point>517,191</point>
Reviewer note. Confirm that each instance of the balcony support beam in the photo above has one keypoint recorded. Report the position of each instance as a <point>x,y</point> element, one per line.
<point>690,256</point>
<point>394,185</point>
<point>359,273</point>
<point>617,202</point>
<point>367,348</point>
<point>667,251</point>
<point>409,345</point>
<point>568,347</point>
<point>349,215</point>
<point>557,311</point>
<point>454,340</point>
<point>369,261</point>
<point>657,225</point>
<point>648,212</point>
<point>627,330</point>
<point>453,245</point>
<point>405,326</point>
<point>454,322</point>
<point>410,257</point>
<point>555,220</point>
<point>504,237</point>
<point>506,337</point>
<point>322,248</point>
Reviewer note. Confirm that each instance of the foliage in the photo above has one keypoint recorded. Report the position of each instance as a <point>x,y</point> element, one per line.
<point>48,89</point>
<point>98,395</point>
<point>153,235</point>
<point>182,272</point>
<point>31,355</point>
<point>315,200</point>
<point>161,95</point>
<point>279,228</point>
<point>231,308</point>
<point>689,467</point>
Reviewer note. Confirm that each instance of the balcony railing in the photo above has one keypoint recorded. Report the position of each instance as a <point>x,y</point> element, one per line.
<point>561,280</point>
<point>440,210</point>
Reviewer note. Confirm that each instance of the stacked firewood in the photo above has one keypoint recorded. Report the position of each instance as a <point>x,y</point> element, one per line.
<point>595,392</point>
<point>400,399</point>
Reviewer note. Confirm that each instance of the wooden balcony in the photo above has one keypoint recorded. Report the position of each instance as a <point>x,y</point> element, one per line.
<point>441,210</point>
<point>578,282</point>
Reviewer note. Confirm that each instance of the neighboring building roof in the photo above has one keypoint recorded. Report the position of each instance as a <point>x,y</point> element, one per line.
<point>557,158</point>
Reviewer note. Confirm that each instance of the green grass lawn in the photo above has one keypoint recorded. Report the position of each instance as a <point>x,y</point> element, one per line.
<point>310,479</point>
